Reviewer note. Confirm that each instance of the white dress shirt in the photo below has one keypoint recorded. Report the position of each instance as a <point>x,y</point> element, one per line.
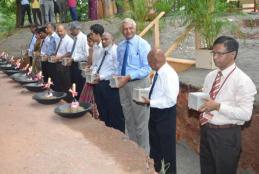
<point>166,89</point>
<point>44,46</point>
<point>81,48</point>
<point>56,37</point>
<point>65,46</point>
<point>97,55</point>
<point>31,45</point>
<point>110,64</point>
<point>236,97</point>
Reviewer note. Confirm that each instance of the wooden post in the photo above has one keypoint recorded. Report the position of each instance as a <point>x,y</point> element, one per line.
<point>18,13</point>
<point>151,24</point>
<point>178,40</point>
<point>156,35</point>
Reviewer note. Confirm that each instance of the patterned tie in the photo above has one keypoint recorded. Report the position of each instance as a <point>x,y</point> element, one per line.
<point>74,46</point>
<point>100,66</point>
<point>205,117</point>
<point>216,86</point>
<point>125,59</point>
<point>153,84</point>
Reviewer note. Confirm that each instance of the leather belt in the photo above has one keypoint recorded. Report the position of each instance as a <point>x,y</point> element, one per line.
<point>224,126</point>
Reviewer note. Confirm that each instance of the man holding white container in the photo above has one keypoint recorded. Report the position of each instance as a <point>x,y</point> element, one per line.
<point>107,98</point>
<point>162,123</point>
<point>133,72</point>
<point>230,105</point>
<point>79,54</point>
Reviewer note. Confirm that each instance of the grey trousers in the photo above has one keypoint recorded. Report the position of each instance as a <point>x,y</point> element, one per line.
<point>136,116</point>
<point>49,11</point>
<point>42,9</point>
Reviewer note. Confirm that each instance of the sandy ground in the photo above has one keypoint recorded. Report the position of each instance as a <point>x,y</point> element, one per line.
<point>35,140</point>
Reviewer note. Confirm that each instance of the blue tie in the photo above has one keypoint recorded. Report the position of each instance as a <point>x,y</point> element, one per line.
<point>153,84</point>
<point>125,58</point>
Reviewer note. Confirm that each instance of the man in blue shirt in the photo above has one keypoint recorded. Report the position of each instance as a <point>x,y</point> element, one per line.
<point>133,71</point>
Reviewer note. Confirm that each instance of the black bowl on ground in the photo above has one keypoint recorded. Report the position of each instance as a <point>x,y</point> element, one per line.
<point>11,71</point>
<point>34,87</point>
<point>4,62</point>
<point>42,97</point>
<point>6,67</point>
<point>64,110</point>
<point>20,74</point>
<point>25,79</point>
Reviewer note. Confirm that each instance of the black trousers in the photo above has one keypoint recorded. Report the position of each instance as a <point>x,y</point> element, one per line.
<point>77,78</point>
<point>45,72</point>
<point>51,69</point>
<point>162,138</point>
<point>219,150</point>
<point>25,8</point>
<point>36,12</point>
<point>108,104</point>
<point>63,78</point>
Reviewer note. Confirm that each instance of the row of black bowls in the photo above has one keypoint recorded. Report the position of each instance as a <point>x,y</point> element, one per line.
<point>40,96</point>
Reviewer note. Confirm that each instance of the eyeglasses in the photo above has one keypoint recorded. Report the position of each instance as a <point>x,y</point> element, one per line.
<point>214,53</point>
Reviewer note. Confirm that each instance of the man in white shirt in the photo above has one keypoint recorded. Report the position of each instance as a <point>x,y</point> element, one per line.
<point>107,98</point>
<point>51,41</point>
<point>63,50</point>
<point>79,54</point>
<point>162,123</point>
<point>32,42</point>
<point>97,31</point>
<point>230,105</point>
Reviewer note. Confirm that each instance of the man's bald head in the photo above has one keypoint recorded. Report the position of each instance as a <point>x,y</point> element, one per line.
<point>156,58</point>
<point>61,30</point>
<point>107,39</point>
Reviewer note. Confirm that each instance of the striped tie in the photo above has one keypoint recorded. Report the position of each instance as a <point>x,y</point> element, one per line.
<point>216,86</point>
<point>205,117</point>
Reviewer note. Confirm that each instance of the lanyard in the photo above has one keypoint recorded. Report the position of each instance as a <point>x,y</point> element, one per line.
<point>225,80</point>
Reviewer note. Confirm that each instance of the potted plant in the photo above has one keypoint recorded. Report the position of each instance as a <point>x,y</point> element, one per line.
<point>207,19</point>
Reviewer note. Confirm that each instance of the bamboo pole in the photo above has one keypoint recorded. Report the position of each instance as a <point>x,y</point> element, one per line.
<point>157,35</point>
<point>179,40</point>
<point>151,24</point>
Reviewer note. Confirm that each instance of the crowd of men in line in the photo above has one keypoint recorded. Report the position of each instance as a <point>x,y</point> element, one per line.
<point>152,123</point>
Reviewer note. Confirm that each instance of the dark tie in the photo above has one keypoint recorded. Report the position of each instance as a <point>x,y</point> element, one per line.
<point>100,66</point>
<point>153,84</point>
<point>125,58</point>
<point>74,45</point>
<point>58,45</point>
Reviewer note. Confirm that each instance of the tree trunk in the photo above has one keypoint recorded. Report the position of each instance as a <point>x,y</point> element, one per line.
<point>18,13</point>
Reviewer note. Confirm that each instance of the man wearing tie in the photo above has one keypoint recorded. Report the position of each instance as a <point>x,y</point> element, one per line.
<point>107,98</point>
<point>162,123</point>
<point>30,50</point>
<point>52,42</point>
<point>64,49</point>
<point>133,73</point>
<point>230,105</point>
<point>79,53</point>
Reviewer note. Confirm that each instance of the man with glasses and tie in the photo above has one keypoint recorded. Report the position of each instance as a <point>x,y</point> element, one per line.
<point>107,98</point>
<point>162,122</point>
<point>63,50</point>
<point>79,53</point>
<point>133,73</point>
<point>230,105</point>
